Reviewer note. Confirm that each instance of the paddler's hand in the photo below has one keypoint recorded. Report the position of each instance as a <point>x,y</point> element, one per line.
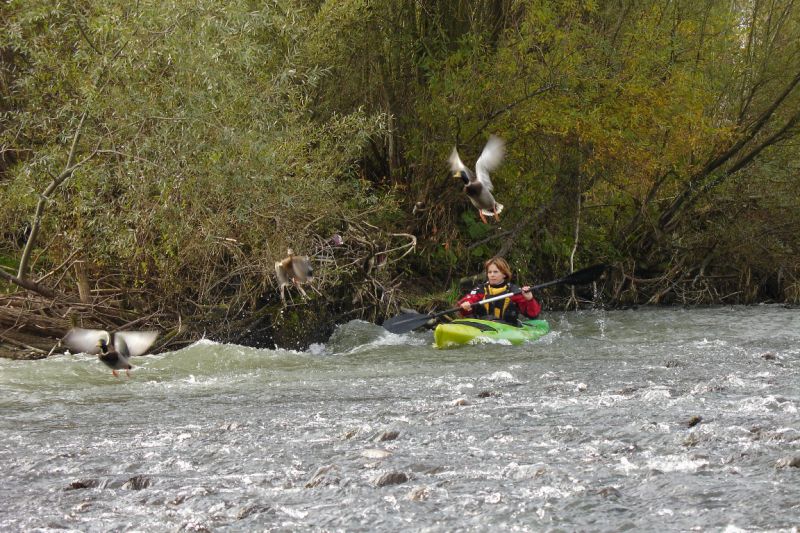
<point>466,306</point>
<point>527,293</point>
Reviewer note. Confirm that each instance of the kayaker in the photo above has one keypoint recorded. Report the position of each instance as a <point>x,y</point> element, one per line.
<point>498,275</point>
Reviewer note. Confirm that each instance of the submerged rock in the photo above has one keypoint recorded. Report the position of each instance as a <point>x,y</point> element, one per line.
<point>178,500</point>
<point>137,483</point>
<point>375,453</point>
<point>387,435</point>
<point>694,421</point>
<point>83,484</point>
<point>391,478</point>
<point>419,468</point>
<point>786,462</point>
<point>324,476</point>
<point>609,492</point>
<point>419,494</point>
<point>349,434</point>
<point>251,510</point>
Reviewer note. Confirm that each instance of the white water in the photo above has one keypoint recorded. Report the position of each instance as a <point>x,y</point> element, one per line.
<point>586,429</point>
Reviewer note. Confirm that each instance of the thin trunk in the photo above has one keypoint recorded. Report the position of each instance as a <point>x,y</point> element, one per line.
<point>573,298</point>
<point>696,183</point>
<point>37,217</point>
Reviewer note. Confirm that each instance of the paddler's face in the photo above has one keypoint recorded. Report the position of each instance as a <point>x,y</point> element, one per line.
<point>494,275</point>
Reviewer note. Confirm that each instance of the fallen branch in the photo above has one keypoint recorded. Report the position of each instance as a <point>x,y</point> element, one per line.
<point>28,284</point>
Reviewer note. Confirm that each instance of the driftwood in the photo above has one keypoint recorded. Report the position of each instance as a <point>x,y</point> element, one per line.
<point>234,293</point>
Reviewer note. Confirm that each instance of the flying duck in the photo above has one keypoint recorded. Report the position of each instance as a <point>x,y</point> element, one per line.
<point>113,350</point>
<point>478,186</point>
<point>293,270</point>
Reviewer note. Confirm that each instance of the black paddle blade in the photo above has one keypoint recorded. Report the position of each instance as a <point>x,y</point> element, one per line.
<point>406,322</point>
<point>585,275</point>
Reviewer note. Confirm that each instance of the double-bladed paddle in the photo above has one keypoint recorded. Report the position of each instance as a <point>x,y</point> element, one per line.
<point>406,322</point>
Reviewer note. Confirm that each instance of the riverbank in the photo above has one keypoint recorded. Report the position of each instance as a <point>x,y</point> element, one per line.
<point>25,346</point>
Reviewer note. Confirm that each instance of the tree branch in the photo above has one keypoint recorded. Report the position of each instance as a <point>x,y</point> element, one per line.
<point>37,217</point>
<point>28,284</point>
<point>695,184</point>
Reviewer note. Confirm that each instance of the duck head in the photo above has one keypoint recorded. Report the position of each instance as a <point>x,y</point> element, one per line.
<point>461,175</point>
<point>102,343</point>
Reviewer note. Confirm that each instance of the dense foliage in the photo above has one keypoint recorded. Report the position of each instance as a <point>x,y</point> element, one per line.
<point>209,137</point>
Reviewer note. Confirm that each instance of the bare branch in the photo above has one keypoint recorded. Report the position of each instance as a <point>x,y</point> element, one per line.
<point>28,284</point>
<point>37,217</point>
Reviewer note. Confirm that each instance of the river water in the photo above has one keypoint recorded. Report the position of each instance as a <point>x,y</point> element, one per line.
<point>666,419</point>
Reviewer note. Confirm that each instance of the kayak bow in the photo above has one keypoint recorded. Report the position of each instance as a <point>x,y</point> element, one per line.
<point>471,330</point>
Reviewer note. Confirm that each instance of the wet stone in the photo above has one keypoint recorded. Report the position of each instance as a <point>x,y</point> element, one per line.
<point>251,510</point>
<point>350,434</point>
<point>83,484</point>
<point>391,478</point>
<point>786,462</point>
<point>82,507</point>
<point>694,421</point>
<point>387,435</point>
<point>325,476</point>
<point>609,492</point>
<point>375,453</point>
<point>137,483</point>
<point>419,494</point>
<point>177,500</point>
<point>419,468</point>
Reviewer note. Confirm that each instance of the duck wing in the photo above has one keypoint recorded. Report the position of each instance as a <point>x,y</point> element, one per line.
<point>490,159</point>
<point>457,166</point>
<point>82,340</point>
<point>133,343</point>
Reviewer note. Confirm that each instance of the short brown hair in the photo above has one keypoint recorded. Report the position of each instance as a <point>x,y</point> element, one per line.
<point>501,265</point>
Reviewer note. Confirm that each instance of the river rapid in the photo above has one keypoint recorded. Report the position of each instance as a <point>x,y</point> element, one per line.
<point>648,419</point>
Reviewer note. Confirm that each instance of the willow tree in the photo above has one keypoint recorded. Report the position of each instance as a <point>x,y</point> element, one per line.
<point>646,115</point>
<point>713,220</point>
<point>207,162</point>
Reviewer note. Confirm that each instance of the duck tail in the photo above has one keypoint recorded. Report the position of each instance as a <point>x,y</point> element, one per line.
<point>489,212</point>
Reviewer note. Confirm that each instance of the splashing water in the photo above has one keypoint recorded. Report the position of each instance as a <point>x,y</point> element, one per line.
<point>615,420</point>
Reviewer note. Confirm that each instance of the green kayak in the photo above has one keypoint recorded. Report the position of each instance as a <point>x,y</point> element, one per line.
<point>468,330</point>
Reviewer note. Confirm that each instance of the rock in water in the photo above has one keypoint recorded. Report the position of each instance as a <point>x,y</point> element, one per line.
<point>391,478</point>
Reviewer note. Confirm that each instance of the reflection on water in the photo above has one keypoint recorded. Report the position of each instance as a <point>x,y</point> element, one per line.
<point>614,420</point>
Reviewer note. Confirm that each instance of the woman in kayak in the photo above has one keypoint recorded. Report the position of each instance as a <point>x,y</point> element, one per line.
<point>498,275</point>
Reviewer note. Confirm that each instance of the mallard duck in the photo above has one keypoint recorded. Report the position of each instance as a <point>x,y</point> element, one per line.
<point>293,270</point>
<point>478,186</point>
<point>113,350</point>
